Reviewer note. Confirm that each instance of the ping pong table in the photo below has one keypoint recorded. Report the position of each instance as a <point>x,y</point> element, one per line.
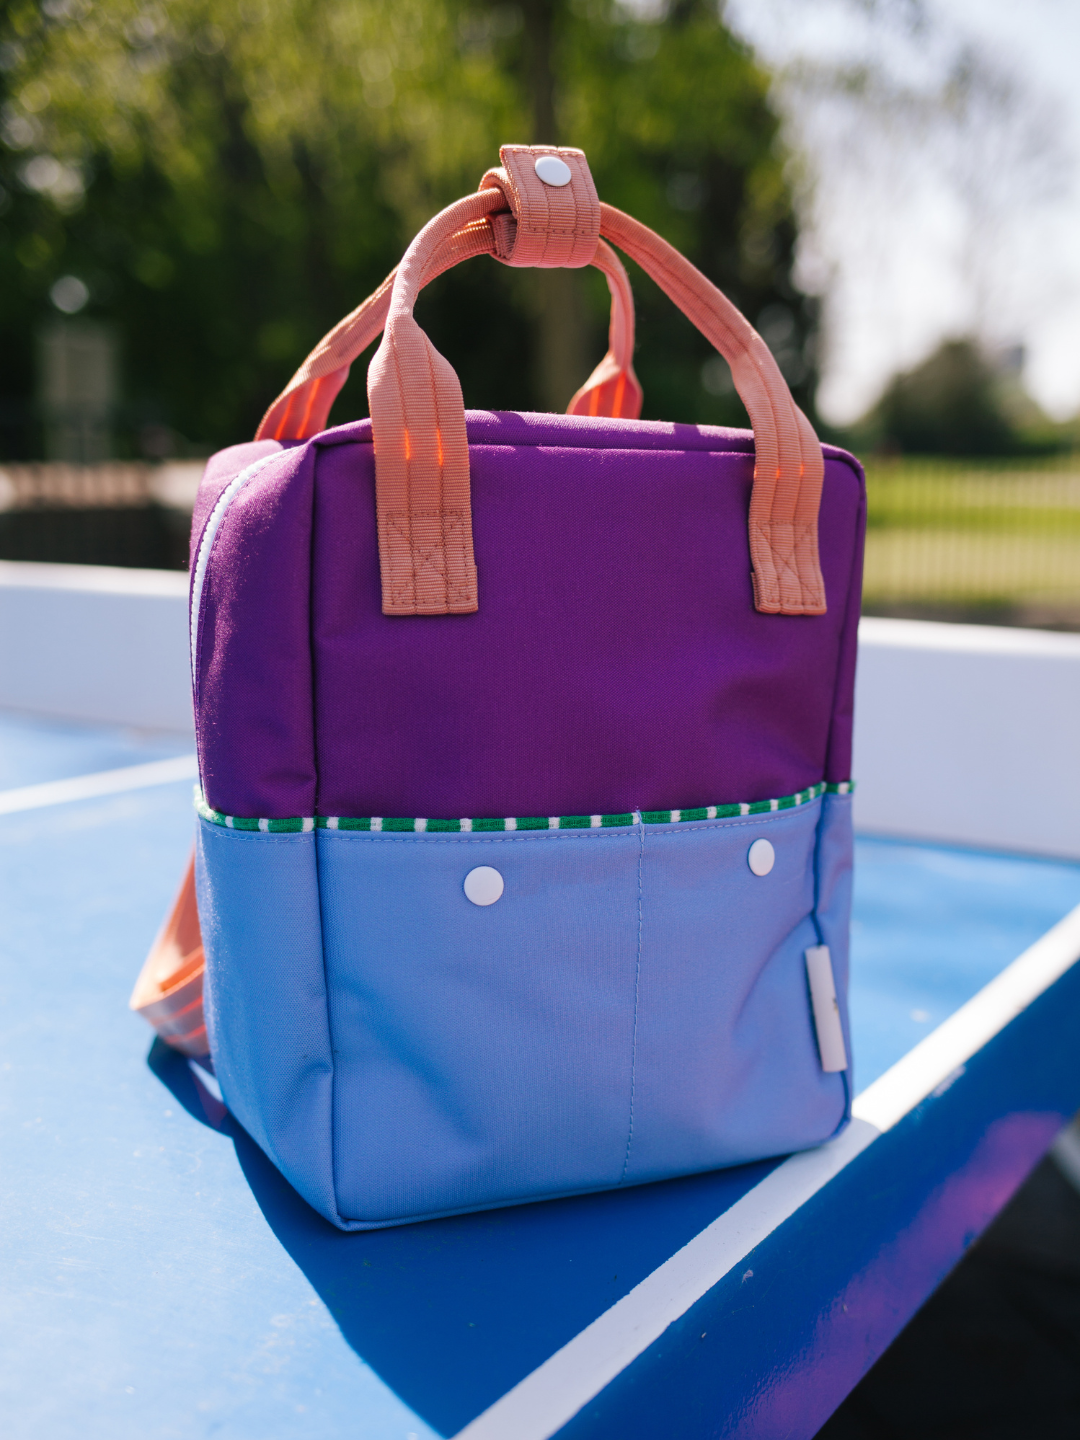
<point>161,1279</point>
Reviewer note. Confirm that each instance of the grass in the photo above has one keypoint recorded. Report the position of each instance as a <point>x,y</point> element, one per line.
<point>1000,533</point>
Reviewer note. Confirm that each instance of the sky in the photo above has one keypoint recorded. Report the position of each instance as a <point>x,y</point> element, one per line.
<point>923,221</point>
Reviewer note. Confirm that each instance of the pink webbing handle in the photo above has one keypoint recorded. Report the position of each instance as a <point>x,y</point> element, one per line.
<point>559,225</point>
<point>418,420</point>
<point>789,467</point>
<point>303,407</point>
<point>422,501</point>
<point>613,388</point>
<point>423,505</point>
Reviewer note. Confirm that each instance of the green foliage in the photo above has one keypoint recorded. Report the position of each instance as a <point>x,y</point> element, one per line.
<point>676,122</point>
<point>957,402</point>
<point>228,180</point>
<point>1033,496</point>
<point>947,406</point>
<point>991,540</point>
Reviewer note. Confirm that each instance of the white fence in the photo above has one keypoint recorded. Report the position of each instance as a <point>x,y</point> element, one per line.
<point>964,733</point>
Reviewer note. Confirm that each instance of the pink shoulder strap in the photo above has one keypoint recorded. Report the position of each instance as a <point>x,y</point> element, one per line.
<point>169,990</point>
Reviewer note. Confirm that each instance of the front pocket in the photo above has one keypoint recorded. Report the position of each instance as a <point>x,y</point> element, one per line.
<point>726,1062</point>
<point>633,1005</point>
<point>482,1054</point>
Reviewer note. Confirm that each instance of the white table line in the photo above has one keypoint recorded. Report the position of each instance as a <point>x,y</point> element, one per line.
<point>103,782</point>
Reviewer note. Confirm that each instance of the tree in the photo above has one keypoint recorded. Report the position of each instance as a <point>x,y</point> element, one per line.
<point>227,181</point>
<point>958,403</point>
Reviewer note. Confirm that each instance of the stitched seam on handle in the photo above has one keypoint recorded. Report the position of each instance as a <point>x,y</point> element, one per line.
<point>420,460</point>
<point>437,563</point>
<point>402,588</point>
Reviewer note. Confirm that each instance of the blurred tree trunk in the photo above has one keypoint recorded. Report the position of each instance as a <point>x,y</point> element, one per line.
<point>561,363</point>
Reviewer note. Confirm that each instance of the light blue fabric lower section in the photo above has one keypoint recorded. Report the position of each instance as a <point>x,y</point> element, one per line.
<point>634,1006</point>
<point>265,998</point>
<point>497,1039</point>
<point>727,1067</point>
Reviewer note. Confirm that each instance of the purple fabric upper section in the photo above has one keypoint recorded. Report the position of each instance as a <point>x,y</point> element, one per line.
<point>616,661</point>
<point>221,469</point>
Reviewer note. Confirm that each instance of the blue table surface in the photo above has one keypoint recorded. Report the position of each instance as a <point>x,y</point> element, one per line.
<point>160,1279</point>
<point>33,750</point>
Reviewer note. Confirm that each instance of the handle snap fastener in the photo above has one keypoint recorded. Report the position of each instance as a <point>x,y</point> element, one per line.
<point>552,170</point>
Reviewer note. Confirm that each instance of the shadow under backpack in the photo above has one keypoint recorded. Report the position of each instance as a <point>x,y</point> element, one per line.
<point>523,864</point>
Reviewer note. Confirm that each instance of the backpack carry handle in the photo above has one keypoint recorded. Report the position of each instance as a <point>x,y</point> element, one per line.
<point>417,411</point>
<point>789,468</point>
<point>303,407</point>
<point>418,417</point>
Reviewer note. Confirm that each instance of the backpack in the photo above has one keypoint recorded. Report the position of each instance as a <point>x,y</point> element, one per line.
<point>523,865</point>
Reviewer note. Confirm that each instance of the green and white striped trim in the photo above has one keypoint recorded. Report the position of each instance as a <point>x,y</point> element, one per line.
<point>377,823</point>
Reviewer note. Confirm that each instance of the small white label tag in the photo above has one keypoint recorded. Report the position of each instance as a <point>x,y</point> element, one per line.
<point>830,1033</point>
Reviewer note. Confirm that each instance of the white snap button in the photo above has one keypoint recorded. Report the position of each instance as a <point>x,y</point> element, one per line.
<point>761,857</point>
<point>483,886</point>
<point>552,170</point>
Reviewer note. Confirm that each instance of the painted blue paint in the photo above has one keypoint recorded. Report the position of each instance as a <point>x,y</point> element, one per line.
<point>931,926</point>
<point>265,998</point>
<point>161,1279</point>
<point>145,1295</point>
<point>33,750</point>
<point>774,1347</point>
<point>634,1007</point>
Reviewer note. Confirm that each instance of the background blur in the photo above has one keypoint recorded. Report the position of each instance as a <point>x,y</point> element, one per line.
<point>191,193</point>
